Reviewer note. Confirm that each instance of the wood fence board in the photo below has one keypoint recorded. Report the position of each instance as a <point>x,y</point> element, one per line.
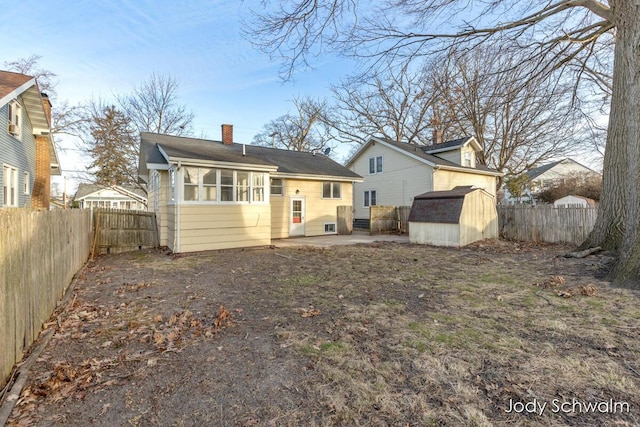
<point>546,223</point>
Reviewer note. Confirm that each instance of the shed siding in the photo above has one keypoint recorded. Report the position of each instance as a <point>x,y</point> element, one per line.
<point>479,218</point>
<point>19,153</point>
<point>401,179</point>
<point>318,211</point>
<point>431,233</point>
<point>446,180</point>
<point>219,226</point>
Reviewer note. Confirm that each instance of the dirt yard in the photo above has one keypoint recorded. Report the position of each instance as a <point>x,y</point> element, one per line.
<point>385,334</point>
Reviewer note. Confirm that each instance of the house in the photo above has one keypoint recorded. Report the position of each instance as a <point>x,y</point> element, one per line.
<point>573,201</point>
<point>27,154</point>
<point>455,217</point>
<point>111,197</point>
<point>550,175</point>
<point>219,194</point>
<point>394,172</point>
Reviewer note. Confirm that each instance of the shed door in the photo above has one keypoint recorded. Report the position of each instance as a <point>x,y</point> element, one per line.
<point>296,219</point>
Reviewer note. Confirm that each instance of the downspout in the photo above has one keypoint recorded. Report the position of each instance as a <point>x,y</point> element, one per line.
<point>177,214</point>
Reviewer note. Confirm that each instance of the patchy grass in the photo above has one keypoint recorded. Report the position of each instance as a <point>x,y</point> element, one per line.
<point>376,335</point>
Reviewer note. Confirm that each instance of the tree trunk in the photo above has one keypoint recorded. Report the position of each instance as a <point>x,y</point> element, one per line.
<point>618,223</point>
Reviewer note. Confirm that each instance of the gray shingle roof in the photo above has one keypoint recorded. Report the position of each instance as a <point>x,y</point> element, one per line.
<point>287,162</point>
<point>442,207</point>
<point>447,144</point>
<point>536,172</point>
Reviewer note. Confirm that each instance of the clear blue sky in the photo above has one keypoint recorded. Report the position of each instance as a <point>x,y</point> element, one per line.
<point>99,48</point>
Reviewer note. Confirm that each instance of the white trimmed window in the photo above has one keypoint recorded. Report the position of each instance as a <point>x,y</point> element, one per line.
<point>207,185</point>
<point>15,119</point>
<point>9,186</point>
<point>26,187</point>
<point>277,187</point>
<point>331,190</point>
<point>370,198</point>
<point>375,165</point>
<point>467,159</point>
<point>171,188</point>
<point>330,228</point>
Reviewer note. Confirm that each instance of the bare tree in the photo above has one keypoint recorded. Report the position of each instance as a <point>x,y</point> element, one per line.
<point>570,35</point>
<point>153,107</point>
<point>303,130</point>
<point>521,118</point>
<point>396,105</point>
<point>30,66</point>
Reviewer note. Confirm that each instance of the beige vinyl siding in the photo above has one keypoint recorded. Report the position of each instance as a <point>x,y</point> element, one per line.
<point>220,226</point>
<point>402,178</point>
<point>479,218</point>
<point>453,156</point>
<point>433,233</point>
<point>447,180</point>
<point>162,213</point>
<point>318,211</point>
<point>170,225</point>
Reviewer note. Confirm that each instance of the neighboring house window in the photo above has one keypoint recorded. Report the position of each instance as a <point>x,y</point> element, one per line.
<point>375,165</point>
<point>223,185</point>
<point>15,115</point>
<point>467,159</point>
<point>331,190</point>
<point>370,198</point>
<point>9,186</point>
<point>25,184</point>
<point>330,228</point>
<point>277,187</point>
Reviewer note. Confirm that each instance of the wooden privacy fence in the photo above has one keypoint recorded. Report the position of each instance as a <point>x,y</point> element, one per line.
<point>123,230</point>
<point>546,223</point>
<point>388,219</point>
<point>345,219</point>
<point>40,251</point>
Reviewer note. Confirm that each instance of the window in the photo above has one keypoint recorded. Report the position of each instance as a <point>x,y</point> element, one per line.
<point>467,159</point>
<point>375,165</point>
<point>191,184</point>
<point>15,115</point>
<point>330,228</point>
<point>223,185</point>
<point>258,188</point>
<point>171,188</point>
<point>9,186</point>
<point>277,187</point>
<point>370,198</point>
<point>242,188</point>
<point>226,185</point>
<point>26,185</point>
<point>331,190</point>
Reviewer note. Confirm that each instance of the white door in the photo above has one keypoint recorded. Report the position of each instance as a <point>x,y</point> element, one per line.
<point>296,219</point>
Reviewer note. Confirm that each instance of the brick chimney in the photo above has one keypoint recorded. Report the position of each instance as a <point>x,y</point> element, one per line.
<point>40,194</point>
<point>227,134</point>
<point>437,136</point>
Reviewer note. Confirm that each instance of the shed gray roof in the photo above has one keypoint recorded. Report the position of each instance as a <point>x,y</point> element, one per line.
<point>286,161</point>
<point>442,207</point>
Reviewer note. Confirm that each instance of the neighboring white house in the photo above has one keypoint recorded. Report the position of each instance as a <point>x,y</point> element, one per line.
<point>395,172</point>
<point>110,197</point>
<point>550,175</point>
<point>572,201</point>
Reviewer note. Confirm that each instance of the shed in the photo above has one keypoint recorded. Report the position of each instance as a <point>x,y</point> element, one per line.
<point>572,201</point>
<point>453,218</point>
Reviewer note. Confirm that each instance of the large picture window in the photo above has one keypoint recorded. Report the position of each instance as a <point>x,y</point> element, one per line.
<point>331,190</point>
<point>223,185</point>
